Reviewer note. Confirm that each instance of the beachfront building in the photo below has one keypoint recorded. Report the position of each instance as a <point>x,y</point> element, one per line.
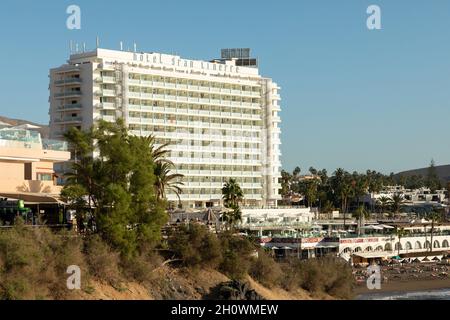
<point>220,117</point>
<point>419,241</point>
<point>27,171</point>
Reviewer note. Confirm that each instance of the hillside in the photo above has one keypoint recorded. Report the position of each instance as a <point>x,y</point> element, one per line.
<point>43,129</point>
<point>443,172</point>
<point>175,284</point>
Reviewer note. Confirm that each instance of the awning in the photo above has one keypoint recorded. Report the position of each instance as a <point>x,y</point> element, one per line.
<point>32,198</point>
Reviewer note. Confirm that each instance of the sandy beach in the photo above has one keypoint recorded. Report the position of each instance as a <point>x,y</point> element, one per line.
<point>406,286</point>
<point>406,278</point>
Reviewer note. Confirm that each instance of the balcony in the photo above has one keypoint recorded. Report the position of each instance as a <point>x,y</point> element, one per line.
<point>68,94</point>
<point>108,93</point>
<point>68,81</point>
<point>68,119</point>
<point>74,106</point>
<point>106,106</point>
<point>108,79</point>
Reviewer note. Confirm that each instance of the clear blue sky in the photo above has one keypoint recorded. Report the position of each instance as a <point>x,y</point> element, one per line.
<point>352,98</point>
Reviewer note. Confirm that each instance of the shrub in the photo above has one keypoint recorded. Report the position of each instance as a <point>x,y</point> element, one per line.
<point>140,267</point>
<point>265,270</point>
<point>196,246</point>
<point>236,255</point>
<point>103,262</point>
<point>33,263</point>
<point>328,274</point>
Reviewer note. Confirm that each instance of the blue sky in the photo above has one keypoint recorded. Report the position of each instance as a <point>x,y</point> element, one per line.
<point>352,98</point>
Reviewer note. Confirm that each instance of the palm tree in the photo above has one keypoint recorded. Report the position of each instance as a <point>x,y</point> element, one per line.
<point>383,202</point>
<point>232,195</point>
<point>400,232</point>
<point>397,202</point>
<point>159,153</point>
<point>164,180</point>
<point>346,193</point>
<point>435,217</point>
<point>360,214</point>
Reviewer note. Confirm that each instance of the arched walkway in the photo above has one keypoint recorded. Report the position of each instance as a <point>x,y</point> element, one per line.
<point>418,245</point>
<point>445,244</point>
<point>408,246</point>
<point>347,250</point>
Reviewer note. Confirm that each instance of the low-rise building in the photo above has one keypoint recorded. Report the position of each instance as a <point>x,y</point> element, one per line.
<point>26,167</point>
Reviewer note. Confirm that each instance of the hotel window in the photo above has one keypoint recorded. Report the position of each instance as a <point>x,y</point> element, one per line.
<point>44,176</point>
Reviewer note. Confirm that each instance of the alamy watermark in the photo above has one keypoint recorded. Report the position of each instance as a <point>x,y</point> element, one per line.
<point>74,280</point>
<point>374,279</point>
<point>73,22</point>
<point>374,20</point>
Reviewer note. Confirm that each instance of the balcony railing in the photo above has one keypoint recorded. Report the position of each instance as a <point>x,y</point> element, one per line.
<point>48,144</point>
<point>69,119</point>
<point>68,94</point>
<point>70,106</point>
<point>68,81</point>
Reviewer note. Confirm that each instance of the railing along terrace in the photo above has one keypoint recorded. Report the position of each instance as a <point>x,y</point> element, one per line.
<point>57,145</point>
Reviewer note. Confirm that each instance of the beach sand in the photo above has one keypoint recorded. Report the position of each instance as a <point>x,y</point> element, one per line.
<point>406,286</point>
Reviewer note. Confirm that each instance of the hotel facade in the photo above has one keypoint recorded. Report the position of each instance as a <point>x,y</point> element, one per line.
<point>220,118</point>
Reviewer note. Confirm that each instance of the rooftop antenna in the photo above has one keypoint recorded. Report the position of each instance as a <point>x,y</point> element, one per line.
<point>71,46</point>
<point>97,42</point>
<point>135,47</point>
<point>121,46</point>
<point>76,47</point>
<point>84,46</point>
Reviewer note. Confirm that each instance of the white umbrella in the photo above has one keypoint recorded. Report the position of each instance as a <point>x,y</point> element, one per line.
<point>387,227</point>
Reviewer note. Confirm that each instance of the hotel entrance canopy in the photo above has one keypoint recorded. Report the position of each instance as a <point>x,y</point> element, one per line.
<point>32,198</point>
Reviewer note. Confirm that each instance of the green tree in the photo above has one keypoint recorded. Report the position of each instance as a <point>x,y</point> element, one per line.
<point>400,232</point>
<point>397,202</point>
<point>232,196</point>
<point>432,180</point>
<point>309,188</point>
<point>165,180</point>
<point>361,214</point>
<point>119,184</point>
<point>384,203</point>
<point>434,217</point>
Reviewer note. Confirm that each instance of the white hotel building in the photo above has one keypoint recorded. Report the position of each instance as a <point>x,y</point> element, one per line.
<point>220,119</point>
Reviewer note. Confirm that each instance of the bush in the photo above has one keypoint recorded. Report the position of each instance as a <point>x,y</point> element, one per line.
<point>196,246</point>
<point>141,266</point>
<point>329,275</point>
<point>103,262</point>
<point>236,255</point>
<point>33,263</point>
<point>265,270</point>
